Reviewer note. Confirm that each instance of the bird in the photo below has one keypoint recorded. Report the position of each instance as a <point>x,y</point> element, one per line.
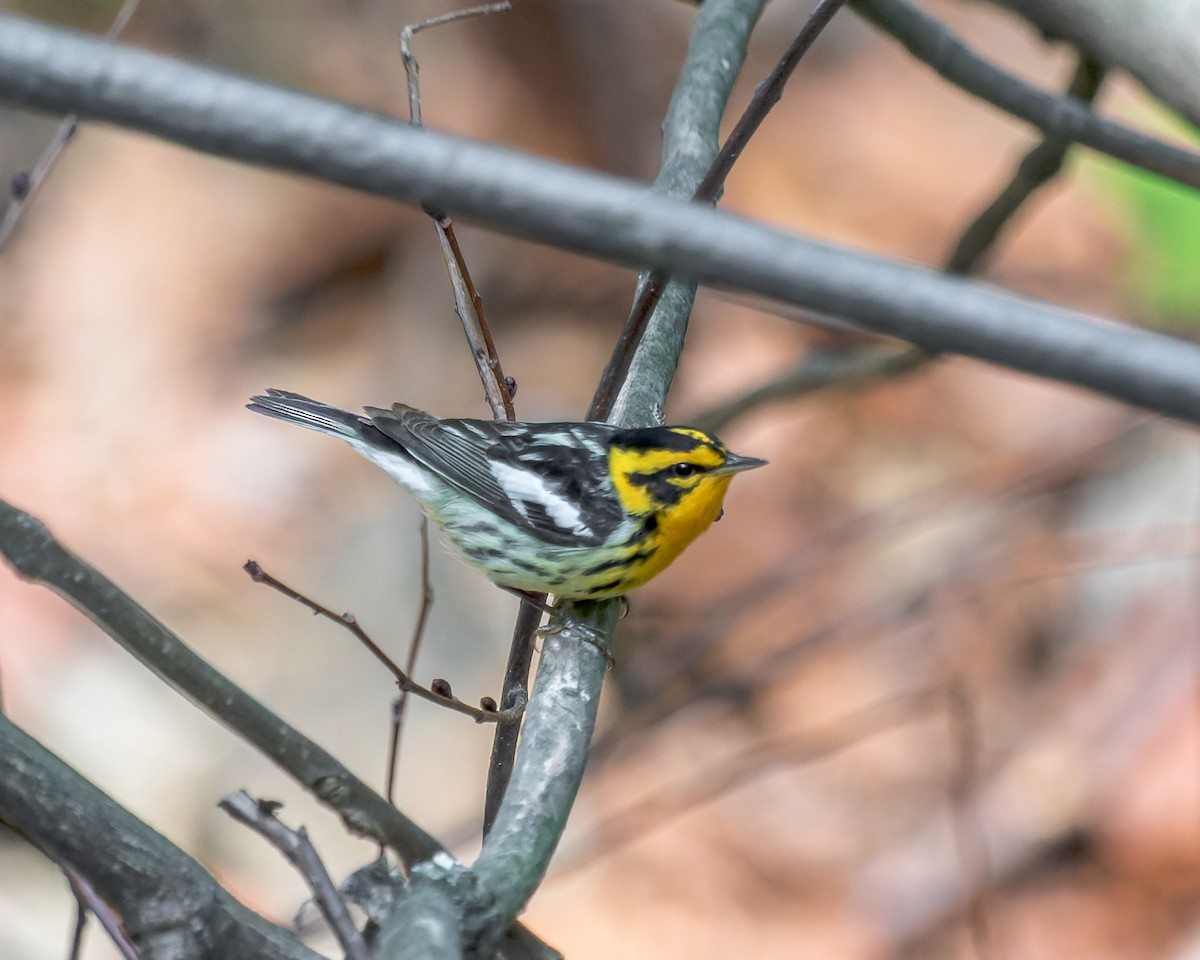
<point>579,509</point>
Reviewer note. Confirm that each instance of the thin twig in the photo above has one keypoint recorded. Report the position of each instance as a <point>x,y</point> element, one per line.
<point>516,690</point>
<point>442,695</point>
<point>928,40</point>
<point>766,95</point>
<point>1036,168</point>
<point>500,391</point>
<point>468,304</point>
<point>412,69</point>
<point>817,370</point>
<point>414,646</point>
<point>650,291</point>
<point>969,836</point>
<point>87,901</point>
<point>81,915</point>
<point>26,184</point>
<point>855,366</point>
<point>260,817</point>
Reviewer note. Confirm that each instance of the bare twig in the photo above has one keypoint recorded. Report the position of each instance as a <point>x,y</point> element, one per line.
<point>857,365</point>
<point>516,690</point>
<point>1036,168</point>
<point>468,304</point>
<point>766,95</point>
<point>439,693</point>
<point>500,391</point>
<point>926,39</point>
<point>87,902</point>
<point>412,69</point>
<point>414,646</point>
<point>651,289</point>
<point>81,915</point>
<point>260,817</point>
<point>969,836</point>
<point>37,556</point>
<point>817,370</point>
<point>26,185</point>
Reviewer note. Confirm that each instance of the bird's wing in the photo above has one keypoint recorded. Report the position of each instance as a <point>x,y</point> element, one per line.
<point>540,477</point>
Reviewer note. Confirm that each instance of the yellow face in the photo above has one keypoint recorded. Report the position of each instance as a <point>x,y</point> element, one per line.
<point>678,476</point>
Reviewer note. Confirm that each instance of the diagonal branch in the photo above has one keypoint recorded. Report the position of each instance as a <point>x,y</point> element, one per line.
<point>31,549</point>
<point>168,904</point>
<point>1064,118</point>
<point>36,556</point>
<point>260,817</point>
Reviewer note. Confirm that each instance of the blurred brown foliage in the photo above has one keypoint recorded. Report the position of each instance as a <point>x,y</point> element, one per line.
<point>962,528</point>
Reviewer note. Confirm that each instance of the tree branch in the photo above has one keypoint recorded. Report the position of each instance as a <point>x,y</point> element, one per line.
<point>1155,40</point>
<point>1062,117</point>
<point>32,550</point>
<point>555,738</point>
<point>54,70</point>
<point>645,364</point>
<point>561,714</point>
<point>260,817</point>
<point>170,906</point>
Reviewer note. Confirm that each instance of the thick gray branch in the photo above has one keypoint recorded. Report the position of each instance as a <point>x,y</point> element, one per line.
<point>691,134</point>
<point>53,70</point>
<point>554,744</point>
<point>1060,117</point>
<point>561,714</point>
<point>31,549</point>
<point>171,907</point>
<point>1158,41</point>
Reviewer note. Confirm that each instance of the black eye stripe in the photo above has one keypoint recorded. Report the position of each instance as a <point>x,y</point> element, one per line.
<point>658,478</point>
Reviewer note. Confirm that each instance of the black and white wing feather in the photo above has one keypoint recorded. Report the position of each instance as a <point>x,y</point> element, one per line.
<point>550,479</point>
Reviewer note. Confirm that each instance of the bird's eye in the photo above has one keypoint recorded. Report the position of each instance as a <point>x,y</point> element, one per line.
<point>684,469</point>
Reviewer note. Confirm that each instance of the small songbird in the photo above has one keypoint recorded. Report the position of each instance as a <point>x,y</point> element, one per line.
<point>579,510</point>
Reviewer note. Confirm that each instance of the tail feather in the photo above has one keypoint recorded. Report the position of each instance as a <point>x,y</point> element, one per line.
<point>295,408</point>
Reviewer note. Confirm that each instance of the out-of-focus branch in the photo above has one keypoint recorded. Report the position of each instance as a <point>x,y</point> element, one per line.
<point>856,366</point>
<point>715,781</point>
<point>25,185</point>
<point>168,904</point>
<point>1037,167</point>
<point>54,70</point>
<point>1062,117</point>
<point>1155,40</point>
<point>817,370</point>
<point>32,550</point>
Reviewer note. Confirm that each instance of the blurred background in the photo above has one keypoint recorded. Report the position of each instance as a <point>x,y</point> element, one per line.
<point>930,689</point>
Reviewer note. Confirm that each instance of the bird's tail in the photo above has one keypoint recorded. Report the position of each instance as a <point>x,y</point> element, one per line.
<point>294,408</point>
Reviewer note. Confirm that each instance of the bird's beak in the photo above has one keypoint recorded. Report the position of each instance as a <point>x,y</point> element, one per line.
<point>735,464</point>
